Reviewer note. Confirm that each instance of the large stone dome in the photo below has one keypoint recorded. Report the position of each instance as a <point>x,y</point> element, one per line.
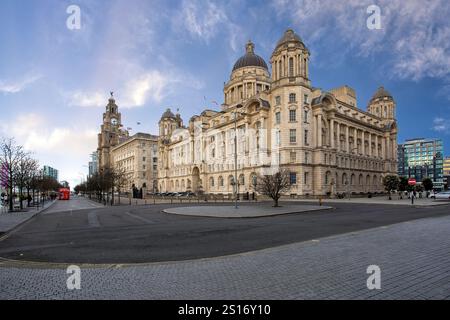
<point>289,37</point>
<point>168,114</point>
<point>381,94</point>
<point>250,59</point>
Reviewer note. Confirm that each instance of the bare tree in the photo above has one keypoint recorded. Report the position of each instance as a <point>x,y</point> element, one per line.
<point>32,171</point>
<point>274,185</point>
<point>120,181</point>
<point>24,169</point>
<point>10,156</point>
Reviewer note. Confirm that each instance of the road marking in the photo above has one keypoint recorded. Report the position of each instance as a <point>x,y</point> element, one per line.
<point>139,218</point>
<point>93,220</point>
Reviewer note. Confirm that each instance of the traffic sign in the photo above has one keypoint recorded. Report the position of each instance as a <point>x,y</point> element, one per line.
<point>412,182</point>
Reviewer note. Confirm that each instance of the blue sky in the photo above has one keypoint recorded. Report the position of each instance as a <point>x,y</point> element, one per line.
<point>55,82</point>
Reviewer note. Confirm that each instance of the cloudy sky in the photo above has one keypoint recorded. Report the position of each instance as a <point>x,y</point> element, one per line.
<point>55,82</point>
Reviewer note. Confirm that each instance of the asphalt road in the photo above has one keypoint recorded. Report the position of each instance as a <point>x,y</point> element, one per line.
<point>135,234</point>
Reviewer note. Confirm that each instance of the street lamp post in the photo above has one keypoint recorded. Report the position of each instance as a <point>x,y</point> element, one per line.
<point>235,160</point>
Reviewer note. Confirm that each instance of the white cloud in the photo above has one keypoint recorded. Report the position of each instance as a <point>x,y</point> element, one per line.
<point>206,19</point>
<point>34,133</point>
<point>202,18</point>
<point>65,148</point>
<point>18,85</point>
<point>441,125</point>
<point>137,91</point>
<point>413,39</point>
<point>86,99</point>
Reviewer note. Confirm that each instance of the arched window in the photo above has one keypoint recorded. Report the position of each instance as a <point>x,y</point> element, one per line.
<point>327,178</point>
<point>241,180</point>
<point>344,179</point>
<point>211,182</point>
<point>220,181</point>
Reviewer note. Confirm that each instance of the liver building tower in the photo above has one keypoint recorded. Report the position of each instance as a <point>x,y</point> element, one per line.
<point>275,119</point>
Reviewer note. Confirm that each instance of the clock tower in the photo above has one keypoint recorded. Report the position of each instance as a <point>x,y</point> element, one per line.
<point>111,133</point>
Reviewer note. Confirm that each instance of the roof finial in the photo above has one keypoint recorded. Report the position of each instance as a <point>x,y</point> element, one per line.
<point>250,47</point>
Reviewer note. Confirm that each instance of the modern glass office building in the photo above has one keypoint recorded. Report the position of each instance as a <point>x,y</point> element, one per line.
<point>447,171</point>
<point>50,172</point>
<point>422,158</point>
<point>93,164</point>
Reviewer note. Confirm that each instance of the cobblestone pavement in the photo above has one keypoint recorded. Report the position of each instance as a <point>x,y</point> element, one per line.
<point>414,258</point>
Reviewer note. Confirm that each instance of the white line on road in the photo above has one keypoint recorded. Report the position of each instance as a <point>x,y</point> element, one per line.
<point>93,220</point>
<point>139,218</point>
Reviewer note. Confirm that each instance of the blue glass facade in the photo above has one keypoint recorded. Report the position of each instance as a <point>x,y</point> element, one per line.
<point>422,158</point>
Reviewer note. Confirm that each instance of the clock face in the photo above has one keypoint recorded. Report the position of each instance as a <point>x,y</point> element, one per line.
<point>114,121</point>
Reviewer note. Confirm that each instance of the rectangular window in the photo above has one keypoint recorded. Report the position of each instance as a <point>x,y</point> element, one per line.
<point>306,157</point>
<point>306,137</point>
<point>278,118</point>
<point>277,100</point>
<point>292,115</point>
<point>305,179</point>
<point>292,98</point>
<point>305,99</point>
<point>293,178</point>
<point>293,157</point>
<point>143,159</point>
<point>305,116</point>
<point>292,135</point>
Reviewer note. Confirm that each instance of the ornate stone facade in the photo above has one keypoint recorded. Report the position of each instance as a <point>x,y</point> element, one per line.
<point>111,134</point>
<point>136,155</point>
<point>327,143</point>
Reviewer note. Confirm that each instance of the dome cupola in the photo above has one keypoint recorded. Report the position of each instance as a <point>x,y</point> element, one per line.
<point>250,59</point>
<point>168,114</point>
<point>381,94</point>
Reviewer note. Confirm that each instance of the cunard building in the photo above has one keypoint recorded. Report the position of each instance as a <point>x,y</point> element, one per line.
<point>280,121</point>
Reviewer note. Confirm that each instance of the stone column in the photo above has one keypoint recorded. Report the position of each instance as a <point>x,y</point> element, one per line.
<point>376,146</point>
<point>363,143</point>
<point>370,144</point>
<point>347,139</point>
<point>338,133</point>
<point>332,133</point>
<point>319,130</point>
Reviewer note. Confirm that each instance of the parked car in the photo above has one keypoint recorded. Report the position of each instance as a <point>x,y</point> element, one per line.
<point>445,195</point>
